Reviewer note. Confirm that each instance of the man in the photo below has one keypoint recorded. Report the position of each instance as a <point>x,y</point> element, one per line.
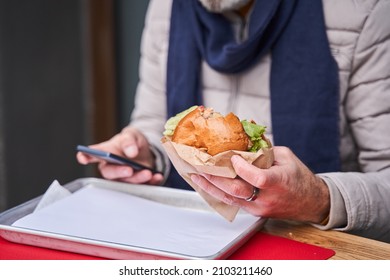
<point>316,73</point>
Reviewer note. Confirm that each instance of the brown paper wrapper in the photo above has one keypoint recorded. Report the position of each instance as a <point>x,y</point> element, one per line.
<point>189,160</point>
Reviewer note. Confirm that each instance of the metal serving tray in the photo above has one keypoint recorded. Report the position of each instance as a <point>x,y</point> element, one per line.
<point>174,197</point>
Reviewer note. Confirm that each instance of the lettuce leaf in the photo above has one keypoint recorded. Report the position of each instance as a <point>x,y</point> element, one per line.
<point>255,133</point>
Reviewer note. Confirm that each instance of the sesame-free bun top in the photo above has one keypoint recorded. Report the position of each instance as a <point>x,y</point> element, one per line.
<point>210,131</point>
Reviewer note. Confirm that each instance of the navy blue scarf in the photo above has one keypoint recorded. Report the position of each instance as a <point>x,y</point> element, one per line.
<point>304,75</point>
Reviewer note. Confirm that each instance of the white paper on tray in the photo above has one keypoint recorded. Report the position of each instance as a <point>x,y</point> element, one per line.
<point>116,217</point>
<point>54,193</point>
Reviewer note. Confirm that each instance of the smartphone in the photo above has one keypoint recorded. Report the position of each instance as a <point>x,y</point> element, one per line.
<point>113,158</point>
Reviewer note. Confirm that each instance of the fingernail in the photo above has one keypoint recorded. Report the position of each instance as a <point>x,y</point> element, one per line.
<point>125,172</point>
<point>144,176</point>
<point>195,178</point>
<point>234,159</point>
<point>131,151</point>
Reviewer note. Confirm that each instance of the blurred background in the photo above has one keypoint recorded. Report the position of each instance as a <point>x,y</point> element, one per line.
<point>68,73</point>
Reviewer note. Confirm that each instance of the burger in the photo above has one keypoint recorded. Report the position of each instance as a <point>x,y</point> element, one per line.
<point>203,128</point>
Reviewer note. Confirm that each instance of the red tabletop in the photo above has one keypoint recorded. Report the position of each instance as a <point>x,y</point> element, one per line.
<point>261,246</point>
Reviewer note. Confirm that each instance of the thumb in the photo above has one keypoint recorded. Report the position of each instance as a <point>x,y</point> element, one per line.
<point>132,142</point>
<point>130,150</point>
<point>257,177</point>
